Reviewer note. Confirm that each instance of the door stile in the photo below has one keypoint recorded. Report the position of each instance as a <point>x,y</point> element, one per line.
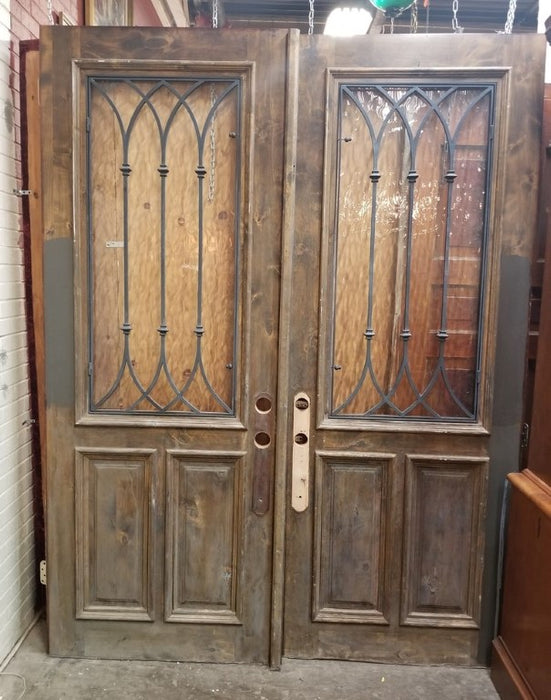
<point>284,400</point>
<point>58,320</point>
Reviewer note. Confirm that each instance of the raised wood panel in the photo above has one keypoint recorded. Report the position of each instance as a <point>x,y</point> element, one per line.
<point>204,533</point>
<point>114,491</point>
<point>443,541</point>
<point>351,524</point>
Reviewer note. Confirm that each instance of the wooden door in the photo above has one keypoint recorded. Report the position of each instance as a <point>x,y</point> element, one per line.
<point>414,220</point>
<point>163,182</point>
<point>279,416</point>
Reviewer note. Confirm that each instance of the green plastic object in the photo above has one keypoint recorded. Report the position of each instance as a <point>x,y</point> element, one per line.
<point>391,7</point>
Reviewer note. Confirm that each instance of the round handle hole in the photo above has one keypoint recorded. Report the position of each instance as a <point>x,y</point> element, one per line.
<point>263,404</point>
<point>302,403</point>
<point>301,438</point>
<point>262,440</point>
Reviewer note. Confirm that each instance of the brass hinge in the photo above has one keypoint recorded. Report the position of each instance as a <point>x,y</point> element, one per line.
<point>42,570</point>
<point>524,435</point>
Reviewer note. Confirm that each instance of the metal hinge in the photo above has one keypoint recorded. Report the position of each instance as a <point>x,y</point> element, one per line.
<point>22,193</point>
<point>524,435</point>
<point>42,570</point>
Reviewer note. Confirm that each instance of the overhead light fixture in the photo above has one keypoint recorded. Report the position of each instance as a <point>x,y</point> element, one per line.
<point>348,21</point>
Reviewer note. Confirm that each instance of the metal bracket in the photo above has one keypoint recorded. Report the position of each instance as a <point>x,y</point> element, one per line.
<point>42,570</point>
<point>22,193</point>
<point>524,435</point>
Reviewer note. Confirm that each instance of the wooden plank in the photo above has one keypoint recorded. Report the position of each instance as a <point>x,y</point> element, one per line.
<point>31,206</point>
<point>284,352</point>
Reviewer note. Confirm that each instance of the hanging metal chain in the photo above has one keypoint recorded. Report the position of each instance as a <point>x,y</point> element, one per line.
<point>457,28</point>
<point>311,18</point>
<point>215,14</point>
<point>414,18</point>
<point>510,17</point>
<point>212,172</point>
<point>50,11</point>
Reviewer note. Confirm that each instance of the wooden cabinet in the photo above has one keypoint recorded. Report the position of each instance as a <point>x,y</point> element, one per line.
<point>521,665</point>
<point>522,650</point>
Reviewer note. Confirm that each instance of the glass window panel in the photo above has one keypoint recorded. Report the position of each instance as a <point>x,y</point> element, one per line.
<point>410,240</point>
<point>164,174</point>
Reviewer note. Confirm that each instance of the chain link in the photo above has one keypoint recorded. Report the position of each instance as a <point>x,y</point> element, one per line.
<point>215,14</point>
<point>457,28</point>
<point>311,18</point>
<point>50,11</point>
<point>414,18</point>
<point>212,172</point>
<point>510,17</point>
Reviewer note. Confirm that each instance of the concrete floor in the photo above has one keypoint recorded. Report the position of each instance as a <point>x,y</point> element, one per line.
<point>32,675</point>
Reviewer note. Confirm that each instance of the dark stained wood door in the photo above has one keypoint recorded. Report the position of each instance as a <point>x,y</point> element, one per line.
<point>281,355</point>
<point>414,219</point>
<point>163,181</point>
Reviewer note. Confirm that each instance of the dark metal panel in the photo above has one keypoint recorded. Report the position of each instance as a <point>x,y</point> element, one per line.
<point>58,303</point>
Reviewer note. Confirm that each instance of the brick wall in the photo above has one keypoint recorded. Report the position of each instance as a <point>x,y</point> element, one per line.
<point>18,566</point>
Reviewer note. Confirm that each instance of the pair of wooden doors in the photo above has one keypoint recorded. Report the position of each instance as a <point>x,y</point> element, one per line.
<point>271,296</point>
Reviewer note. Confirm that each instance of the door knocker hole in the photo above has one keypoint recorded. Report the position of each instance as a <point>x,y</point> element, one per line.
<point>301,438</point>
<point>262,440</point>
<point>263,404</point>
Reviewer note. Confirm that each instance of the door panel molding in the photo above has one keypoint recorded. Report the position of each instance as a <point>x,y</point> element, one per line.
<point>204,537</point>
<point>444,540</point>
<point>351,542</point>
<point>115,515</point>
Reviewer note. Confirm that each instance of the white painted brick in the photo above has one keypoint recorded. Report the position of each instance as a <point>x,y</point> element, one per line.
<point>13,343</point>
<point>11,410</point>
<point>12,536</point>
<point>18,324</point>
<point>13,357</point>
<point>9,237</point>
<point>12,308</point>
<point>11,273</point>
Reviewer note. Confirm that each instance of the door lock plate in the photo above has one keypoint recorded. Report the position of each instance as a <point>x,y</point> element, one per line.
<point>301,453</point>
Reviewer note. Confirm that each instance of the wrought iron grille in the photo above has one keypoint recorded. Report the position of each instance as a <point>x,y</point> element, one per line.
<point>413,169</point>
<point>164,198</point>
